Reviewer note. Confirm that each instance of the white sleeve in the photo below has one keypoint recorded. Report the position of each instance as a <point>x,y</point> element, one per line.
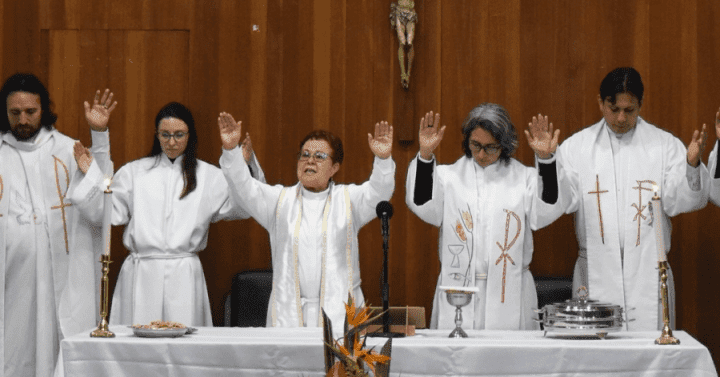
<point>256,198</point>
<point>365,197</point>
<point>676,191</point>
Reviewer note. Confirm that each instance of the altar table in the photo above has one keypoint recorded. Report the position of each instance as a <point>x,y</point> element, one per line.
<point>235,351</point>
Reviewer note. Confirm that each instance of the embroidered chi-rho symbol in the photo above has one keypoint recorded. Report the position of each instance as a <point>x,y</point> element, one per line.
<point>504,256</point>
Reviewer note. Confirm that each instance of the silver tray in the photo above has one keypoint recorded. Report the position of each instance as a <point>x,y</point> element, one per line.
<point>581,317</point>
<point>162,333</point>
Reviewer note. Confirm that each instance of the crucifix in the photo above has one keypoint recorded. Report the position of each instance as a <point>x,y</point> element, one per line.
<point>639,207</point>
<point>61,196</point>
<point>598,192</point>
<point>504,256</point>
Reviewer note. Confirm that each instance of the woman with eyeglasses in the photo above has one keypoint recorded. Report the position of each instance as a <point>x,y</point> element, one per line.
<point>486,205</point>
<point>314,224</point>
<point>167,201</point>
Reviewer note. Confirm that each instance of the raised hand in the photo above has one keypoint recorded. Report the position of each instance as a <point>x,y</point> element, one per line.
<point>697,146</point>
<point>230,131</point>
<point>247,148</point>
<point>381,143</point>
<point>541,137</point>
<point>83,157</point>
<point>98,114</point>
<point>430,134</point>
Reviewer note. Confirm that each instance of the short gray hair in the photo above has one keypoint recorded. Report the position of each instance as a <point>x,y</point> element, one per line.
<point>494,119</point>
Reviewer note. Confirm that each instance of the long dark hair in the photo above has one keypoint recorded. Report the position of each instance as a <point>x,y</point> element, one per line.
<point>179,111</point>
<point>26,82</point>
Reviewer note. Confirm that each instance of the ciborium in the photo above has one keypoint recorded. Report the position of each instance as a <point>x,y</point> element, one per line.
<point>459,297</point>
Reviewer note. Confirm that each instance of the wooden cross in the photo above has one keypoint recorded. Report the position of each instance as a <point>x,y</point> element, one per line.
<point>598,192</point>
<point>639,207</point>
<point>504,256</point>
<point>61,196</point>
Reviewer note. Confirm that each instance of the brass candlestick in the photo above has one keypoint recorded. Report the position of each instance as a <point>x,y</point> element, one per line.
<point>666,337</point>
<point>102,330</point>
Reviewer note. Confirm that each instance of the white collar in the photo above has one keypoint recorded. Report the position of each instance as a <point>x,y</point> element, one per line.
<point>34,143</point>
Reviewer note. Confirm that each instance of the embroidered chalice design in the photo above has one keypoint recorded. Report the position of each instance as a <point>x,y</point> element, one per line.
<point>463,229</point>
<point>456,250</point>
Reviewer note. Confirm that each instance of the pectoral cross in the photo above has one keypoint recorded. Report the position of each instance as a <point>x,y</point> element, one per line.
<point>504,256</point>
<point>61,196</point>
<point>639,207</point>
<point>598,192</point>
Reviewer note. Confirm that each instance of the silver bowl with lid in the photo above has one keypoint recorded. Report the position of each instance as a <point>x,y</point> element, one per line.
<point>581,317</point>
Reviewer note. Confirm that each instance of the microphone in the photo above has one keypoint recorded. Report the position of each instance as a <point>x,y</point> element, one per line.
<point>384,211</point>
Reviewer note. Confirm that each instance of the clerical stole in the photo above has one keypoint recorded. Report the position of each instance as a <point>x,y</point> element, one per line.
<point>630,278</point>
<point>66,254</point>
<point>339,258</point>
<point>482,244</point>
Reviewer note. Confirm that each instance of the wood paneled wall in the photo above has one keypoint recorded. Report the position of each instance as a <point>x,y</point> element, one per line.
<point>286,67</point>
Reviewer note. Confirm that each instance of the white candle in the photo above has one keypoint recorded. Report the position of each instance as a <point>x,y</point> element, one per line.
<point>107,216</point>
<point>657,219</point>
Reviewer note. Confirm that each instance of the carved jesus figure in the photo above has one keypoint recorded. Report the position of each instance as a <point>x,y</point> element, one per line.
<point>403,19</point>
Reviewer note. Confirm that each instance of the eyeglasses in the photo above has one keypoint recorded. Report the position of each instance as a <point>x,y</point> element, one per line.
<point>488,148</point>
<point>320,156</point>
<point>177,135</point>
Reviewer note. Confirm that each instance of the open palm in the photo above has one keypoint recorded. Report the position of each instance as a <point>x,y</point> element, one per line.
<point>98,114</point>
<point>541,137</point>
<point>381,142</point>
<point>230,131</point>
<point>430,134</point>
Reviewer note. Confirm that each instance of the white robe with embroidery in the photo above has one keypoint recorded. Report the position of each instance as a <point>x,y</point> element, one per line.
<point>345,210</point>
<point>481,212</point>
<point>48,251</point>
<point>714,186</point>
<point>162,278</point>
<point>610,186</point>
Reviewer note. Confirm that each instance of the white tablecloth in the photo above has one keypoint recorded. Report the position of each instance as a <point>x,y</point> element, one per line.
<point>223,351</point>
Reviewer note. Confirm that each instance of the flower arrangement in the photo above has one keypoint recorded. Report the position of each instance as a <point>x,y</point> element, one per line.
<point>353,357</point>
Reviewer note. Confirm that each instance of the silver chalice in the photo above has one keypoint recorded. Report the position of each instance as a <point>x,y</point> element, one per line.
<point>458,298</point>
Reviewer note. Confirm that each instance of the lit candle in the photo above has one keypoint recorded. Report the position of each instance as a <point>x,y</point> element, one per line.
<point>107,216</point>
<point>657,219</point>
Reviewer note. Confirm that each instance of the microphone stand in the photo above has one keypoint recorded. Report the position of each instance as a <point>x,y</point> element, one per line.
<point>385,293</point>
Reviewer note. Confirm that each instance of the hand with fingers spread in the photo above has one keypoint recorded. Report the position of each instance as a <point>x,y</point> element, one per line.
<point>430,135</point>
<point>247,147</point>
<point>98,114</point>
<point>697,146</point>
<point>381,143</point>
<point>541,137</point>
<point>83,157</point>
<point>230,131</point>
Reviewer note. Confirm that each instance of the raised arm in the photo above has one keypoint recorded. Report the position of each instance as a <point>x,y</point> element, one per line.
<point>380,186</point>
<point>98,116</point>
<point>256,198</point>
<point>423,191</point>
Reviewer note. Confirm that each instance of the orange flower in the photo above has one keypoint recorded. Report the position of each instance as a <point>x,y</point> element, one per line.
<point>358,319</point>
<point>460,231</point>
